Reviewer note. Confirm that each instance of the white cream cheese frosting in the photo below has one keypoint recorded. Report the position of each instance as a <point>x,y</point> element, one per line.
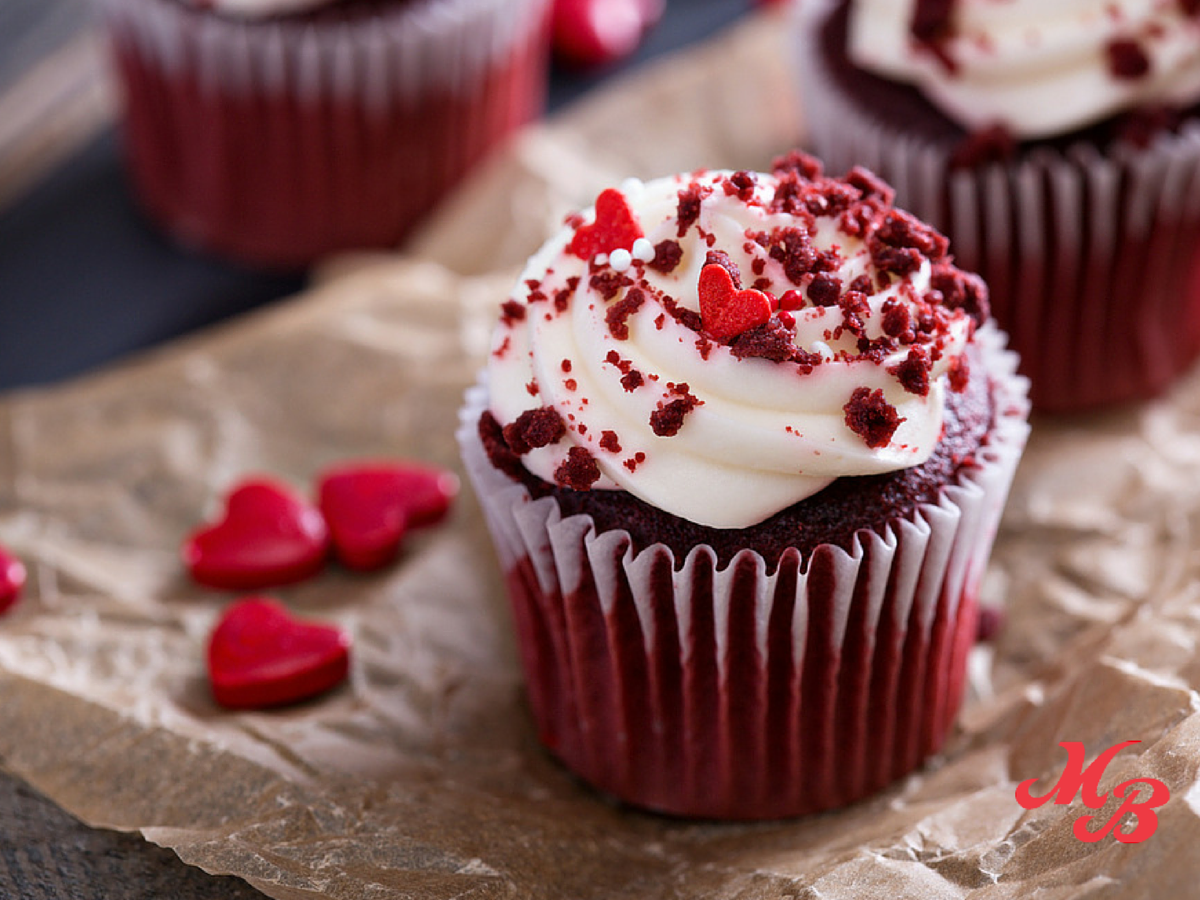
<point>630,357</point>
<point>1037,68</point>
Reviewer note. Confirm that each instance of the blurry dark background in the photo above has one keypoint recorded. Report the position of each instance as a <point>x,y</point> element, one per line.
<point>84,279</point>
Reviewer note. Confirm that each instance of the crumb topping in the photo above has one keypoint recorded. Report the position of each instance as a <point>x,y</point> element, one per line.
<point>665,298</point>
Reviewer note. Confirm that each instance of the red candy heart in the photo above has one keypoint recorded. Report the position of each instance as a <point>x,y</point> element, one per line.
<point>260,656</point>
<point>12,580</point>
<point>269,536</point>
<point>587,33</point>
<point>726,311</point>
<point>615,227</point>
<point>369,506</point>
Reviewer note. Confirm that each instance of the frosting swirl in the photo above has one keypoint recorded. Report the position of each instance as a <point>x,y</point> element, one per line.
<point>723,344</point>
<point>1037,68</point>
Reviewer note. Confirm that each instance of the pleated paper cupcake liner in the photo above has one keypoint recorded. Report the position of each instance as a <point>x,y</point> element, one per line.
<point>275,142</point>
<point>757,690</point>
<point>1092,259</point>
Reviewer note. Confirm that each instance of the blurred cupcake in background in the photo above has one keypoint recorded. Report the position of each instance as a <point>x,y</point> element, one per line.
<point>1057,144</point>
<point>274,132</point>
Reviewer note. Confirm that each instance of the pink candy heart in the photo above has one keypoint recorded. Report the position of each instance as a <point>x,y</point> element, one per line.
<point>268,536</point>
<point>369,506</point>
<point>259,656</point>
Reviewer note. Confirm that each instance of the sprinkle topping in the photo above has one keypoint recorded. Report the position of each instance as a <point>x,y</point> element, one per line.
<point>756,334</point>
<point>615,227</point>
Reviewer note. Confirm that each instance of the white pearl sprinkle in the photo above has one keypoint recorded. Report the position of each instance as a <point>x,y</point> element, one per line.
<point>631,186</point>
<point>643,250</point>
<point>620,260</point>
<point>601,259</point>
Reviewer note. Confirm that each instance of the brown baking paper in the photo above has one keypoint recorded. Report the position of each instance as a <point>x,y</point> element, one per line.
<point>421,778</point>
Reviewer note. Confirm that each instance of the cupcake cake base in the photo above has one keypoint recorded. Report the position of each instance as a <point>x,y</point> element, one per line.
<point>740,687</point>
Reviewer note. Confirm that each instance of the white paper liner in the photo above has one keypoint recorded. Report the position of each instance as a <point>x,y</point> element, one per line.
<point>404,52</point>
<point>737,692</point>
<point>1092,261</point>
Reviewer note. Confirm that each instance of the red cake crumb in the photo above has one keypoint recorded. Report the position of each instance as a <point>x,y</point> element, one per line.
<point>511,311</point>
<point>534,428</point>
<point>1127,60</point>
<point>579,471</point>
<point>794,249</point>
<point>913,372</point>
<point>722,259</point>
<point>931,20</point>
<point>773,341</point>
<point>622,310</point>
<point>959,374</point>
<point>632,380</point>
<point>802,164</point>
<point>871,417</point>
<point>825,289</point>
<point>897,320</point>
<point>610,441</point>
<point>668,418</point>
<point>608,283</point>
<point>636,460</point>
<point>961,290</point>
<point>870,185</point>
<point>901,241</point>
<point>688,318</point>
<point>855,309</point>
<point>689,207</point>
<point>863,285</point>
<point>740,183</point>
<point>667,255</point>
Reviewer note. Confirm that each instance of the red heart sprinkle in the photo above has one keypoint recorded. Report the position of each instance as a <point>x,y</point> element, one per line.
<point>268,536</point>
<point>615,227</point>
<point>726,311</point>
<point>12,580</point>
<point>259,655</point>
<point>369,505</point>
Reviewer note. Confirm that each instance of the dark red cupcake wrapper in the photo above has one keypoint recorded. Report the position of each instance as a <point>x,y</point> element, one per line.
<point>277,142</point>
<point>1092,260</point>
<point>737,694</point>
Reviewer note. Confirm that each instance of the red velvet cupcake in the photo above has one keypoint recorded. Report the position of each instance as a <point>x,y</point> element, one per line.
<point>277,131</point>
<point>743,443</point>
<point>1057,145</point>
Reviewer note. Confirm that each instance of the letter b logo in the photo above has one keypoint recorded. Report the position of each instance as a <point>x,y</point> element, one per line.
<point>1076,779</point>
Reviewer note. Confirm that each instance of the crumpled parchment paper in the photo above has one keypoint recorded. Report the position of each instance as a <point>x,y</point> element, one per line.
<point>421,778</point>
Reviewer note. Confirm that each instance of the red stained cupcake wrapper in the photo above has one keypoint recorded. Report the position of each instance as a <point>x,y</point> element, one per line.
<point>736,694</point>
<point>277,142</point>
<point>1092,261</point>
